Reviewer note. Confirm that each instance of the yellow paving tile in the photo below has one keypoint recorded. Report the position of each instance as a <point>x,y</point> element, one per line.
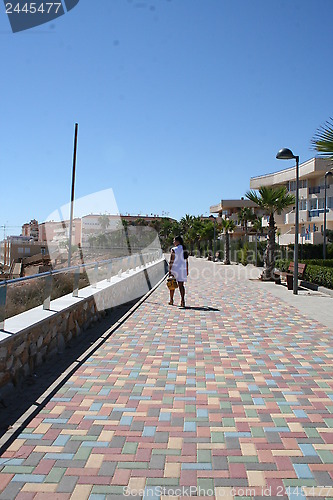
<point>256,478</point>
<point>137,483</point>
<point>57,410</point>
<point>46,449</point>
<point>248,449</point>
<point>105,436</point>
<point>77,432</point>
<point>42,428</point>
<point>16,445</point>
<point>81,492</point>
<point>94,461</point>
<point>295,426</point>
<point>172,470</point>
<point>175,442</point>
<point>40,488</point>
<point>287,453</point>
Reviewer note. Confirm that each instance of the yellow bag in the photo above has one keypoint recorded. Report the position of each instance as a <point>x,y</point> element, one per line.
<point>172,283</point>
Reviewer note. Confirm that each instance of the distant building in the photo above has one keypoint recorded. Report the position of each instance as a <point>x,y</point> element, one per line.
<point>31,229</point>
<point>15,248</point>
<point>229,209</point>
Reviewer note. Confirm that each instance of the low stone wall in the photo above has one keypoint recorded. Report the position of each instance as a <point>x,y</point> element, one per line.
<point>21,352</point>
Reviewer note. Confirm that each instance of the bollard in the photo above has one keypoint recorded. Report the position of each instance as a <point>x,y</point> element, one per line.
<point>95,276</point>
<point>47,292</point>
<point>3,295</point>
<point>76,282</point>
<point>109,271</point>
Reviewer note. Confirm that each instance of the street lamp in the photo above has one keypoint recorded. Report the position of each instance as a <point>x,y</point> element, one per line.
<point>328,174</point>
<point>212,217</point>
<point>286,154</point>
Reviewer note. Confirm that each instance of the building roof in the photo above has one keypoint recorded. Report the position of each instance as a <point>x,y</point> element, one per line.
<point>226,204</point>
<point>311,168</point>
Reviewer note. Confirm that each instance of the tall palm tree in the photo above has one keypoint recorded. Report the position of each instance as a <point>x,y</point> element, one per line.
<point>245,215</point>
<point>104,222</point>
<point>228,226</point>
<point>271,200</point>
<point>323,140</point>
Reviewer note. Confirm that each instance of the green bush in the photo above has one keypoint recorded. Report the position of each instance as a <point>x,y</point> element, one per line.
<point>282,264</point>
<point>319,275</point>
<point>319,262</point>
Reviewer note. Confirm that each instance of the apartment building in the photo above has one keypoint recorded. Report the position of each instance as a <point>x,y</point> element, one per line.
<point>311,200</point>
<point>229,209</point>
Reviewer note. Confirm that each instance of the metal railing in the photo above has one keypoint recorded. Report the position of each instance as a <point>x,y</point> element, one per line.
<point>134,261</point>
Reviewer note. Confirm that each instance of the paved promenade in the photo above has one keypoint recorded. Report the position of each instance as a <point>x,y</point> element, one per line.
<point>230,397</point>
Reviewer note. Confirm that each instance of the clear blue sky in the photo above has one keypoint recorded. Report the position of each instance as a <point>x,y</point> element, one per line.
<point>179,102</point>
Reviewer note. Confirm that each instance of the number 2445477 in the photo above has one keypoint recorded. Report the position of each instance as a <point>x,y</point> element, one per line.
<point>33,8</point>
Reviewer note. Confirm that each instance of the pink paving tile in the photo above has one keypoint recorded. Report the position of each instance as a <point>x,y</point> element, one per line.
<point>189,449</point>
<point>143,454</point>
<point>188,478</point>
<point>4,480</point>
<point>44,467</point>
<point>284,463</point>
<point>121,477</point>
<point>237,470</point>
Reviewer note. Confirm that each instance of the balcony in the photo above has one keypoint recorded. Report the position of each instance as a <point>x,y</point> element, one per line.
<point>317,212</point>
<point>290,218</point>
<point>314,190</point>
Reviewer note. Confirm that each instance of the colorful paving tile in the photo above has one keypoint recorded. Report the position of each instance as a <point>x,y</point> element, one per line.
<point>231,397</point>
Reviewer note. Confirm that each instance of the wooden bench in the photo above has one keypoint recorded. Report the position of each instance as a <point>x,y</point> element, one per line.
<point>289,275</point>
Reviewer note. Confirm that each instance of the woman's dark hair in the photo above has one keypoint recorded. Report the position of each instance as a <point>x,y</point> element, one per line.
<point>181,242</point>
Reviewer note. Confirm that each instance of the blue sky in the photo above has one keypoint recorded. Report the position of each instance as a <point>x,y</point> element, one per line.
<point>179,102</point>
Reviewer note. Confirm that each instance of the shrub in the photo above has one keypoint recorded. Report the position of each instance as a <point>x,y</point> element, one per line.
<point>319,275</point>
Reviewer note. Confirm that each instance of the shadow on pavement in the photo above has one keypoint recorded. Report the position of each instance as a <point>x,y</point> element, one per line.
<point>14,404</point>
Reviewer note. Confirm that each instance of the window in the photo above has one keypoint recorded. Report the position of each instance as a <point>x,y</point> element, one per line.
<point>313,204</point>
<point>302,204</point>
<point>303,183</point>
<point>292,185</point>
<point>330,202</point>
<point>321,203</point>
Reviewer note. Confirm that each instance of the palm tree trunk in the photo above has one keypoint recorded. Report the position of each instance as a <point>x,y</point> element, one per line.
<point>227,249</point>
<point>269,256</point>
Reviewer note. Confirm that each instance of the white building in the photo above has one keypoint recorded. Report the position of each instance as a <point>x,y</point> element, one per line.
<point>311,200</point>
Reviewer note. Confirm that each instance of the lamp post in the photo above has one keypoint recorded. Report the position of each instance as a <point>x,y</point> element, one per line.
<point>72,197</point>
<point>328,174</point>
<point>287,154</point>
<point>214,247</point>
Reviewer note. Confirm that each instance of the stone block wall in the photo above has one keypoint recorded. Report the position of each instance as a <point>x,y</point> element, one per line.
<point>22,352</point>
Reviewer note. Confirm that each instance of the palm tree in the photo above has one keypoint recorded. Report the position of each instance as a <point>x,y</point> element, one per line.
<point>104,222</point>
<point>228,226</point>
<point>323,140</point>
<point>271,200</point>
<point>245,215</point>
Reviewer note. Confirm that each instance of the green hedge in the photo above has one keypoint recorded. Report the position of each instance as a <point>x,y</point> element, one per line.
<point>319,275</point>
<point>319,262</point>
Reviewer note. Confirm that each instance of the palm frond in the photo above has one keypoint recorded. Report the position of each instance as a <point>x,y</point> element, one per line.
<point>323,139</point>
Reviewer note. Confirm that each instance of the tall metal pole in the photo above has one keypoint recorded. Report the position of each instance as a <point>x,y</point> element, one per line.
<point>295,284</point>
<point>72,196</point>
<point>214,240</point>
<point>328,174</point>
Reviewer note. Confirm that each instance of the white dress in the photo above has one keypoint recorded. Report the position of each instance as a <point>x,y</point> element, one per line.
<point>178,268</point>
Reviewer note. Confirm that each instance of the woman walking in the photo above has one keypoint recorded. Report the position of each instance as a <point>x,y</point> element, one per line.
<point>178,267</point>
